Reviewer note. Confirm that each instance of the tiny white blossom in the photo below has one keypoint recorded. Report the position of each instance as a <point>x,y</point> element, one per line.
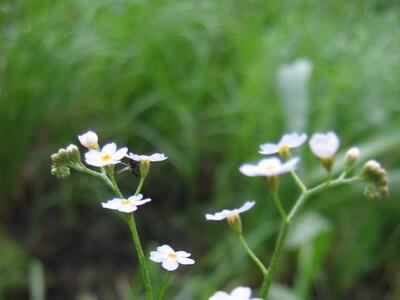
<point>152,158</point>
<point>290,140</point>
<point>227,213</point>
<point>169,258</point>
<point>269,167</point>
<point>324,145</point>
<point>89,139</point>
<point>108,155</point>
<point>353,154</point>
<point>126,205</point>
<point>239,293</point>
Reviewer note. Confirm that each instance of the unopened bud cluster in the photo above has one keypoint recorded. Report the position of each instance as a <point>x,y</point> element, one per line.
<point>63,160</point>
<point>378,187</point>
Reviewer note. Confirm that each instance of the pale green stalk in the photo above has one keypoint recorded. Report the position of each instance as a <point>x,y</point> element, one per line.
<point>164,286</point>
<point>251,254</point>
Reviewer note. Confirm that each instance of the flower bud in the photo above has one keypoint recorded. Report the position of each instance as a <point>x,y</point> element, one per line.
<point>73,153</point>
<point>60,172</point>
<point>235,223</point>
<point>351,157</point>
<point>378,187</point>
<point>144,167</point>
<point>89,140</point>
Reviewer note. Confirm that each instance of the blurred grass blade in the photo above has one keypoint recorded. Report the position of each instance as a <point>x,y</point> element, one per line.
<point>36,281</point>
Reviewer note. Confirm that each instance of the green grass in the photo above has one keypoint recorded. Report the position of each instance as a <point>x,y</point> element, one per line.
<point>198,81</point>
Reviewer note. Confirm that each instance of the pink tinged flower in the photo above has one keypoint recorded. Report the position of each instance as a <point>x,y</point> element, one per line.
<point>152,158</point>
<point>89,140</point>
<point>288,141</point>
<point>227,213</point>
<point>239,293</point>
<point>269,167</point>
<point>126,205</point>
<point>169,258</point>
<point>324,145</point>
<point>108,155</point>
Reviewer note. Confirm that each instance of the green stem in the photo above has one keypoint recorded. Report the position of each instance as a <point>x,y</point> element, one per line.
<point>251,254</point>
<point>139,187</point>
<point>142,259</point>
<point>274,260</point>
<point>279,206</point>
<point>298,181</point>
<point>287,221</point>
<point>164,286</point>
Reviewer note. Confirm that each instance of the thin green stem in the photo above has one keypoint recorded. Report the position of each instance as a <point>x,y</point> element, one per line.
<point>298,181</point>
<point>140,185</point>
<point>115,186</point>
<point>274,260</point>
<point>251,254</point>
<point>287,221</point>
<point>279,206</point>
<point>164,286</point>
<point>142,259</point>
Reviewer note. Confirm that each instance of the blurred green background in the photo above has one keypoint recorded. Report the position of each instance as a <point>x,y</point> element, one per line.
<point>205,82</point>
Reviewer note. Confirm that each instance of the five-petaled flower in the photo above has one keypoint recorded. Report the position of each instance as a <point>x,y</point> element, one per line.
<point>288,141</point>
<point>239,293</point>
<point>230,213</point>
<point>169,258</point>
<point>108,155</point>
<point>89,140</point>
<point>269,167</point>
<point>324,145</point>
<point>126,205</point>
<point>151,158</point>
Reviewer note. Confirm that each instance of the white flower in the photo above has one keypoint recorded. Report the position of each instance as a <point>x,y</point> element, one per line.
<point>269,167</point>
<point>170,259</point>
<point>226,213</point>
<point>324,145</point>
<point>291,140</point>
<point>152,158</point>
<point>89,140</point>
<point>126,205</point>
<point>108,155</point>
<point>239,293</point>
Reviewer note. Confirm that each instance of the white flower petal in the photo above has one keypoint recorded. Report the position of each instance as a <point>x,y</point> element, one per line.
<point>215,217</point>
<point>157,157</point>
<point>92,154</point>
<point>185,261</point>
<point>120,154</point>
<point>182,254</point>
<point>170,264</point>
<point>249,170</point>
<point>136,197</point>
<point>141,202</point>
<point>110,148</point>
<point>220,296</point>
<point>157,256</point>
<point>241,293</point>
<point>165,249</point>
<point>88,139</point>
<point>293,140</point>
<point>135,157</point>
<point>268,148</point>
<point>324,145</point>
<point>127,208</point>
<point>246,206</point>
<point>96,162</point>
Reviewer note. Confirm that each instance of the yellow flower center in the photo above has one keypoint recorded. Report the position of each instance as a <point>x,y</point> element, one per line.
<point>172,255</point>
<point>125,202</point>
<point>105,157</point>
<point>283,149</point>
<point>232,218</point>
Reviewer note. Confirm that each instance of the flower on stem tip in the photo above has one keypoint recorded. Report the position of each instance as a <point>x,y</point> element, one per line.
<point>152,158</point>
<point>239,293</point>
<point>108,155</point>
<point>269,167</point>
<point>169,258</point>
<point>324,145</point>
<point>89,140</point>
<point>233,213</point>
<point>290,140</point>
<point>126,205</point>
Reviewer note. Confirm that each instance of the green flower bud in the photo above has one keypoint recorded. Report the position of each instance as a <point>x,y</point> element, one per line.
<point>235,223</point>
<point>60,172</point>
